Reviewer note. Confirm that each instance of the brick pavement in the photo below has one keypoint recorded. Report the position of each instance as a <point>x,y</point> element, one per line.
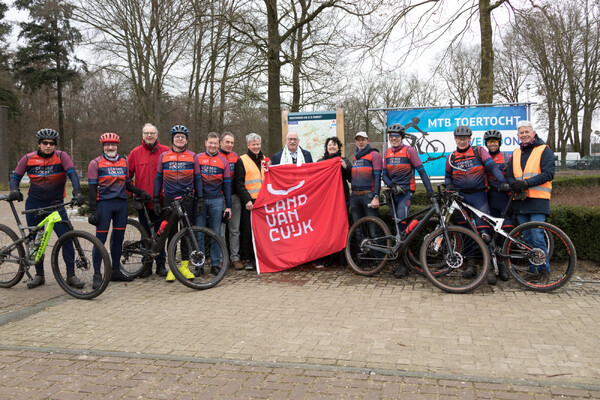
<point>300,334</point>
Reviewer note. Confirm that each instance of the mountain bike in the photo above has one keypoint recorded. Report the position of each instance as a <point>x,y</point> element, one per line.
<point>431,146</point>
<point>516,250</point>
<point>370,245</point>
<point>20,252</point>
<point>140,247</point>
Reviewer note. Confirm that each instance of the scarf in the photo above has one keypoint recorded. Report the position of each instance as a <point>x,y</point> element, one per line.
<point>286,157</point>
<point>359,154</point>
<point>327,156</point>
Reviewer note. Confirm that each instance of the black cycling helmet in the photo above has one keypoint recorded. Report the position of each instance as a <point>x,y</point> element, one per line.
<point>463,130</point>
<point>492,134</point>
<point>180,129</point>
<point>396,128</point>
<point>47,133</point>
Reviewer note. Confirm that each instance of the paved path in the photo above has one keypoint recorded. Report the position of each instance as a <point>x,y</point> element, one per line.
<point>302,333</point>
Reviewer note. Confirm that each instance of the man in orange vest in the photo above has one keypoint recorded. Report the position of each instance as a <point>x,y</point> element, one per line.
<point>531,171</point>
<point>248,179</point>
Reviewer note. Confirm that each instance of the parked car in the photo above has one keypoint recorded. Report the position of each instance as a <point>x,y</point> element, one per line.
<point>589,162</point>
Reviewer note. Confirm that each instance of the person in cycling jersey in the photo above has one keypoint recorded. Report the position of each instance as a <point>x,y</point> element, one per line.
<point>174,178</point>
<point>108,181</point>
<point>466,170</point>
<point>213,185</point>
<point>366,178</point>
<point>47,169</point>
<point>497,200</point>
<point>399,165</point>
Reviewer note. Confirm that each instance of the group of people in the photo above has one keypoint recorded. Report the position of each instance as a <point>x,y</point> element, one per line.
<point>485,178</point>
<point>225,185</point>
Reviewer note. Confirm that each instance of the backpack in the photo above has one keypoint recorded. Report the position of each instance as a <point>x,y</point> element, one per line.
<point>475,151</point>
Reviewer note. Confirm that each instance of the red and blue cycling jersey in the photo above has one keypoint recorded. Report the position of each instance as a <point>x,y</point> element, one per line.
<point>110,176</point>
<point>501,159</point>
<point>470,174</point>
<point>174,173</point>
<point>399,167</point>
<point>47,175</point>
<point>366,170</point>
<point>214,180</point>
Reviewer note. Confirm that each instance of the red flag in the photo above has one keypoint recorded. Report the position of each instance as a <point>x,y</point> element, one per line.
<point>299,215</point>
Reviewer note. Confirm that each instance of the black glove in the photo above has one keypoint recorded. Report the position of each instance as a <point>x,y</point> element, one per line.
<point>225,217</point>
<point>15,195</point>
<point>199,206</point>
<point>397,189</point>
<point>450,187</point>
<point>79,199</point>
<point>93,217</point>
<point>504,188</point>
<point>430,195</point>
<point>145,197</point>
<point>519,186</point>
<point>156,206</point>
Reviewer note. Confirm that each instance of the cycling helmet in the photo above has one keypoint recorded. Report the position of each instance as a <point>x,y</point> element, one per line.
<point>463,130</point>
<point>180,129</point>
<point>110,137</point>
<point>492,134</point>
<point>47,133</point>
<point>396,128</point>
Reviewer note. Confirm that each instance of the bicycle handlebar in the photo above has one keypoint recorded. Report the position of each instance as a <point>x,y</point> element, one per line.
<point>45,210</point>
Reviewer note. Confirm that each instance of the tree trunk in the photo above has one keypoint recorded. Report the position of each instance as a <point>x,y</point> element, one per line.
<point>273,144</point>
<point>486,79</point>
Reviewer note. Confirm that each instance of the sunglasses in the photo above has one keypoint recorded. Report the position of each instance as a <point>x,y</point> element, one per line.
<point>48,143</point>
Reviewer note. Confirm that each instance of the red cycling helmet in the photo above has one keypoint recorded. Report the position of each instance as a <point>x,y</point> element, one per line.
<point>110,137</point>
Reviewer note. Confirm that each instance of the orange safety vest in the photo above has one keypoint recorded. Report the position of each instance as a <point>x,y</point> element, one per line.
<point>532,168</point>
<point>254,176</point>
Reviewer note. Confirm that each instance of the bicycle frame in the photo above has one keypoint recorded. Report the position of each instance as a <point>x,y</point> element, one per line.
<point>47,224</point>
<point>494,223</point>
<point>401,244</point>
<point>178,213</point>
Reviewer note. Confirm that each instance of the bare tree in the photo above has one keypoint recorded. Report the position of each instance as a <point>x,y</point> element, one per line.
<point>452,22</point>
<point>268,28</point>
<point>511,73</point>
<point>461,74</point>
<point>143,40</point>
<point>563,47</point>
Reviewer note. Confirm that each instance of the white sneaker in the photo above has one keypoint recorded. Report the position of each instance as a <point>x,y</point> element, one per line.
<point>319,265</point>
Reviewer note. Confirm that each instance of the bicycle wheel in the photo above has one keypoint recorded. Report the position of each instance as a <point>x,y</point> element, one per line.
<point>526,262</point>
<point>135,257</point>
<point>75,249</point>
<point>435,146</point>
<point>207,273</point>
<point>412,254</point>
<point>364,238</point>
<point>11,271</point>
<point>458,265</point>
